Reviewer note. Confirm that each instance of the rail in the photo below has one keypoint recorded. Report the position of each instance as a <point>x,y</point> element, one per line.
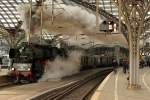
<point>5,81</point>
<point>62,92</point>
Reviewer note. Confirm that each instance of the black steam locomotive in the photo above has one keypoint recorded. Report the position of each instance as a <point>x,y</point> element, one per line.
<point>29,60</point>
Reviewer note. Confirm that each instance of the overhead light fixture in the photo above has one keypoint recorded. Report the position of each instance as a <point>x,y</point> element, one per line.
<point>61,37</point>
<point>121,18</point>
<point>82,34</point>
<point>130,5</point>
<point>60,27</point>
<point>143,54</point>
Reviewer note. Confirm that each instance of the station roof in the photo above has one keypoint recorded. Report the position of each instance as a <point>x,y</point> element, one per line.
<point>9,17</point>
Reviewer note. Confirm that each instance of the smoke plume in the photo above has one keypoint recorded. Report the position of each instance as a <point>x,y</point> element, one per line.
<point>67,20</point>
<point>62,67</point>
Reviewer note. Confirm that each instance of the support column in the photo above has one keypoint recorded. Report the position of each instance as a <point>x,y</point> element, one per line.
<point>42,4</point>
<point>30,19</point>
<point>134,62</point>
<point>52,16</point>
<point>134,54</point>
<point>119,13</point>
<point>134,15</point>
<point>97,15</point>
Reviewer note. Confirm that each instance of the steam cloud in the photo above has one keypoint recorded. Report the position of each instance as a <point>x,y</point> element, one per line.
<point>70,20</point>
<point>62,67</point>
<point>73,19</point>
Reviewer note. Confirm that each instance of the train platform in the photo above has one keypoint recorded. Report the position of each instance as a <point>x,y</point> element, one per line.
<point>114,87</point>
<point>4,79</point>
<point>4,72</point>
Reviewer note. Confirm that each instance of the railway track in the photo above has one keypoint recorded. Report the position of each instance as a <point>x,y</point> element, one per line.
<point>78,90</point>
<point>85,91</point>
<point>5,81</point>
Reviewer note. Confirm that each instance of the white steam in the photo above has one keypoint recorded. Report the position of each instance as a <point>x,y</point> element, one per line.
<point>23,9</point>
<point>68,20</point>
<point>71,18</point>
<point>62,67</point>
<point>75,13</point>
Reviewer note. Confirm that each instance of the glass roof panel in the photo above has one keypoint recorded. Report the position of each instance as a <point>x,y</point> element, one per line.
<point>9,12</point>
<point>9,16</point>
<point>107,5</point>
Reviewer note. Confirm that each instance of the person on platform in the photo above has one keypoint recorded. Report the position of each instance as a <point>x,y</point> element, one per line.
<point>148,63</point>
<point>125,66</point>
<point>1,63</point>
<point>142,64</point>
<point>114,65</point>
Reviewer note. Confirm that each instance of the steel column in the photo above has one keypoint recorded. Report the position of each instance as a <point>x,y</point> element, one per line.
<point>42,4</point>
<point>134,52</point>
<point>30,19</point>
<point>97,15</point>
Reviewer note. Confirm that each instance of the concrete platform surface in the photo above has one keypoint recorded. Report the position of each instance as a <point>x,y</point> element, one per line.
<point>4,72</point>
<point>114,87</point>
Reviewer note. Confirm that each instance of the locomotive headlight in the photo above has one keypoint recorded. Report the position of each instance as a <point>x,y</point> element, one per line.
<point>28,69</point>
<point>12,68</point>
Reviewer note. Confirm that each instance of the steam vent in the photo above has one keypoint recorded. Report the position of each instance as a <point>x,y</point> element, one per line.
<point>74,49</point>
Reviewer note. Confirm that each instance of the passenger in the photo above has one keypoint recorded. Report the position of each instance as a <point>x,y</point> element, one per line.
<point>128,65</point>
<point>148,63</point>
<point>128,78</point>
<point>0,63</point>
<point>142,64</point>
<point>125,66</point>
<point>114,65</point>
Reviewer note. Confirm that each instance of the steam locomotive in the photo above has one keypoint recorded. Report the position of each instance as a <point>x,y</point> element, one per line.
<point>28,61</point>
